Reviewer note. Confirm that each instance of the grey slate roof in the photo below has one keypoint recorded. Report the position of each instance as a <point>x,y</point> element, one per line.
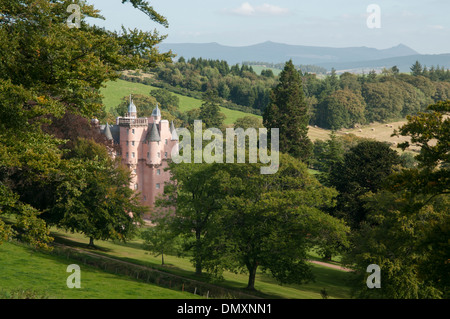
<point>131,107</point>
<point>174,132</point>
<point>153,134</point>
<point>108,133</point>
<point>114,132</point>
<point>156,112</point>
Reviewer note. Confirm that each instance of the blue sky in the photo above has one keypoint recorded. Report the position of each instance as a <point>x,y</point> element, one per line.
<point>422,25</point>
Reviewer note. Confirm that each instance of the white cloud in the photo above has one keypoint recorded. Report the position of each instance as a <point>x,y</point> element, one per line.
<point>246,9</point>
<point>437,27</point>
<point>271,10</point>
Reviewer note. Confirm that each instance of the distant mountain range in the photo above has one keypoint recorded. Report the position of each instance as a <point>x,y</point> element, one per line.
<point>353,59</point>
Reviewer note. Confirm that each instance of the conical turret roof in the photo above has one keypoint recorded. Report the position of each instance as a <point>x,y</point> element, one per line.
<point>131,107</point>
<point>173,131</point>
<point>156,112</point>
<point>153,135</point>
<point>108,132</point>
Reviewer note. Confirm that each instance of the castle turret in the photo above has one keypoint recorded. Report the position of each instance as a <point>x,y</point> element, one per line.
<point>132,112</point>
<point>153,139</point>
<point>173,132</point>
<point>108,133</point>
<point>156,114</point>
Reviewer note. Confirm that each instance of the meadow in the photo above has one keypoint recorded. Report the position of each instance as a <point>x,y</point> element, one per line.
<point>332,280</point>
<point>113,92</point>
<point>44,276</point>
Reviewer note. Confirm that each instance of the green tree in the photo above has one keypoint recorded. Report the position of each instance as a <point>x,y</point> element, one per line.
<point>407,226</point>
<point>210,111</point>
<point>363,169</point>
<point>288,112</point>
<point>416,69</point>
<point>408,223</point>
<point>248,122</point>
<point>195,197</point>
<point>271,222</point>
<point>327,155</point>
<point>166,100</point>
<point>408,241</point>
<point>94,197</point>
<point>160,238</point>
<point>342,108</point>
<point>47,69</point>
<point>144,105</point>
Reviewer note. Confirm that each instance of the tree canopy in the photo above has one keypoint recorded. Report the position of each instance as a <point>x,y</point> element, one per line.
<point>49,70</point>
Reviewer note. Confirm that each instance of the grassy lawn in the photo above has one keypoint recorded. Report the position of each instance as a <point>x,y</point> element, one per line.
<point>24,268</point>
<point>334,281</point>
<point>115,91</point>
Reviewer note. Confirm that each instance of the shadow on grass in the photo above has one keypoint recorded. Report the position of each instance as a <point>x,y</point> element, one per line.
<point>60,239</point>
<point>333,280</point>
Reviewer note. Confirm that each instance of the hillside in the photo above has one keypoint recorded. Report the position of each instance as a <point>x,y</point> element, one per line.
<point>115,91</point>
<point>279,53</point>
<point>45,274</point>
<point>403,63</point>
<point>352,59</point>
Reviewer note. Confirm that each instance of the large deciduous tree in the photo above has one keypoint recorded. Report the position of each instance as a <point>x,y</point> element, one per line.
<point>408,222</point>
<point>363,169</point>
<point>271,222</point>
<point>46,70</point>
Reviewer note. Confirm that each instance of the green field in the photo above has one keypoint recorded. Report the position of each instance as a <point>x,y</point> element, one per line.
<point>259,68</point>
<point>26,269</point>
<point>333,280</point>
<point>115,91</point>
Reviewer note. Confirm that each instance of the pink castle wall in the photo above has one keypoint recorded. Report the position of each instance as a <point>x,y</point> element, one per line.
<point>150,158</point>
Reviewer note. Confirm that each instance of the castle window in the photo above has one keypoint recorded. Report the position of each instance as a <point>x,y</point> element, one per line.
<point>145,198</point>
<point>128,131</point>
<point>166,141</point>
<point>148,154</point>
<point>132,143</point>
<point>132,131</point>
<point>133,155</point>
<point>134,171</point>
<point>127,154</point>
<point>158,172</point>
<point>158,185</point>
<point>136,186</point>
<point>165,154</point>
<point>159,155</point>
<point>127,143</point>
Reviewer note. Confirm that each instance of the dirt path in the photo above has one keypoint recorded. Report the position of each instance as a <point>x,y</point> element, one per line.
<point>329,265</point>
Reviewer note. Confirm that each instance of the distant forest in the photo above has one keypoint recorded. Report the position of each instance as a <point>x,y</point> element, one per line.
<point>334,102</point>
<point>308,68</point>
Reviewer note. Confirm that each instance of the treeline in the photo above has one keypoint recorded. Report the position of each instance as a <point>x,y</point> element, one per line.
<point>305,68</point>
<point>239,85</point>
<point>434,73</point>
<point>334,102</point>
<point>345,101</point>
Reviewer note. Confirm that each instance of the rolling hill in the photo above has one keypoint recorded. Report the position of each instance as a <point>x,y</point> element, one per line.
<point>353,59</point>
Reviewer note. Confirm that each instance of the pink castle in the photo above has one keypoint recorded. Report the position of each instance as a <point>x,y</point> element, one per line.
<point>146,145</point>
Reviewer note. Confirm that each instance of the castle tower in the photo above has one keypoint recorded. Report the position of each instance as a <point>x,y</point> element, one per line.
<point>132,111</point>
<point>146,145</point>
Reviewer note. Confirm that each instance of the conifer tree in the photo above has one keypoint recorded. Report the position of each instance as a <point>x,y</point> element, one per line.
<point>288,111</point>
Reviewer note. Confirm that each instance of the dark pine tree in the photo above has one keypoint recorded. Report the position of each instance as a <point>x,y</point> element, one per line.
<point>288,111</point>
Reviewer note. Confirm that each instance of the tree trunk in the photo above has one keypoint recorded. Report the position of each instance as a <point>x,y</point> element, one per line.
<point>91,242</point>
<point>162,258</point>
<point>198,258</point>
<point>198,268</point>
<point>251,276</point>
